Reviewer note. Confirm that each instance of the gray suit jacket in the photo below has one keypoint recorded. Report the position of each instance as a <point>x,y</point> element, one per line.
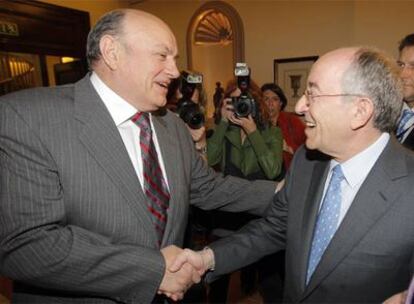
<point>371,255</point>
<point>74,226</point>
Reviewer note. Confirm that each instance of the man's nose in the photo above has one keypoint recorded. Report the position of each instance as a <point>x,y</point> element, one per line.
<point>301,105</point>
<point>172,70</point>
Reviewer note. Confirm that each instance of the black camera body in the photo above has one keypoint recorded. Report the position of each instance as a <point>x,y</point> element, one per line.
<point>244,105</point>
<point>188,110</point>
<point>190,113</point>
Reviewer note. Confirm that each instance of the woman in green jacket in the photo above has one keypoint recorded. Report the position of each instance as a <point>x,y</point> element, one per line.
<point>248,147</point>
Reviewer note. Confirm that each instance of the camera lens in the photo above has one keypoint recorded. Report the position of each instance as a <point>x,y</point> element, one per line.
<point>195,120</point>
<point>243,106</point>
<point>243,109</point>
<point>190,113</point>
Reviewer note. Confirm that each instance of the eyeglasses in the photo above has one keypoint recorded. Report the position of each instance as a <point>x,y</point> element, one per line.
<point>310,98</point>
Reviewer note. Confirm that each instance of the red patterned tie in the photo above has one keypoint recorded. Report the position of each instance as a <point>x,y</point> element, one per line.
<point>155,186</point>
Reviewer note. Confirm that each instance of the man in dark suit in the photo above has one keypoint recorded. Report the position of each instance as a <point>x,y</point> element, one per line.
<point>405,126</point>
<point>85,219</point>
<point>344,216</point>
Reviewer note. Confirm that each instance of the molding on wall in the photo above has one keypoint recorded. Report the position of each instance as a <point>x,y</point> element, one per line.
<point>236,24</point>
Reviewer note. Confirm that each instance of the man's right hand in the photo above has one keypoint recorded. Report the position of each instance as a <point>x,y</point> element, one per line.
<point>202,261</point>
<point>175,284</point>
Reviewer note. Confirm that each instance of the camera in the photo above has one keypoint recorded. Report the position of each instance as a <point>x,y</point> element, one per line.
<point>188,110</point>
<point>245,103</point>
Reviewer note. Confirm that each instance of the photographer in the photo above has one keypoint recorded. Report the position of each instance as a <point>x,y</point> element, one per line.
<point>246,145</point>
<point>186,97</point>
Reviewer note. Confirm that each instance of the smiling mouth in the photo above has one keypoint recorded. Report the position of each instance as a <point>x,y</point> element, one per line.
<point>310,124</point>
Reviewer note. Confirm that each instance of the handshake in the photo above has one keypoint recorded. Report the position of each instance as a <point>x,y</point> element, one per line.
<point>184,268</point>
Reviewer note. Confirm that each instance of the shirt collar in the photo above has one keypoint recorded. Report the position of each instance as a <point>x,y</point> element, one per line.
<point>357,168</point>
<point>118,107</point>
<point>406,107</point>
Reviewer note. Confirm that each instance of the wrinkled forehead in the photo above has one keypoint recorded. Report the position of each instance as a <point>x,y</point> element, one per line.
<point>148,31</point>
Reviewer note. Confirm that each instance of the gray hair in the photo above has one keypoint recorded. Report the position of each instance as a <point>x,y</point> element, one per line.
<point>108,24</point>
<point>375,75</point>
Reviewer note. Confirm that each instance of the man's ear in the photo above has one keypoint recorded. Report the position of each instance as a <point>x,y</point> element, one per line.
<point>362,113</point>
<point>109,47</point>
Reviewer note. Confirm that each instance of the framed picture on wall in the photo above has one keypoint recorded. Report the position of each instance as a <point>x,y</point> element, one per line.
<point>291,75</point>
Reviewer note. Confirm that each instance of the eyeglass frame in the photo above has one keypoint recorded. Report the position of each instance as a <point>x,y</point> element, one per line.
<point>310,97</point>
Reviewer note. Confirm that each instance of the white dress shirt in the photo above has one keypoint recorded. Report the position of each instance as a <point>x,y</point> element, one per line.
<point>355,171</point>
<point>121,112</point>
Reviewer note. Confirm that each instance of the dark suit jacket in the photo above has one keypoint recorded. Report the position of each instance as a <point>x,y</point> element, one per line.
<point>74,226</point>
<point>409,140</point>
<point>371,256</point>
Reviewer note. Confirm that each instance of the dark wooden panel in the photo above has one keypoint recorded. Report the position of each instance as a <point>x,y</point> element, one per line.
<point>44,28</point>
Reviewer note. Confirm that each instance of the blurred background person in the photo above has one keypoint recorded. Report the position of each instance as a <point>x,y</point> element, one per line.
<point>187,98</point>
<point>271,272</point>
<point>247,145</point>
<point>293,129</point>
<point>405,127</point>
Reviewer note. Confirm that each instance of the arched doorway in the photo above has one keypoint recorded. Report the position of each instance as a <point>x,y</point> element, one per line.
<point>215,42</point>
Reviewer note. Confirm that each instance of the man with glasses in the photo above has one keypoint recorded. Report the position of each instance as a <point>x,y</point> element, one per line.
<point>405,126</point>
<point>344,215</point>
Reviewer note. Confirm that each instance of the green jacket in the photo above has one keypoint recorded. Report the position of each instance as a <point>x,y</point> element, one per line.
<point>260,150</point>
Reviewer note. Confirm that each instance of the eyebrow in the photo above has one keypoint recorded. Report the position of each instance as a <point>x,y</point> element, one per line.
<point>164,47</point>
<point>405,62</point>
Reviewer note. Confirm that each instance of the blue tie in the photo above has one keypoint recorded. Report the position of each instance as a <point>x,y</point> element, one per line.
<point>327,221</point>
<point>402,124</point>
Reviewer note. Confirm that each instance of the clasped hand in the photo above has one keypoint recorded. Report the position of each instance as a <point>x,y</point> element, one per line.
<point>184,268</point>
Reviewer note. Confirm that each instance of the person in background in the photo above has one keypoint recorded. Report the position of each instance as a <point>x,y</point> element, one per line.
<point>198,96</point>
<point>272,268</point>
<point>345,211</point>
<point>198,220</point>
<point>96,177</point>
<point>405,126</point>
<point>248,147</point>
<point>293,129</point>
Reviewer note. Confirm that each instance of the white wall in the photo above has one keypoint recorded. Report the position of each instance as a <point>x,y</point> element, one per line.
<point>284,29</point>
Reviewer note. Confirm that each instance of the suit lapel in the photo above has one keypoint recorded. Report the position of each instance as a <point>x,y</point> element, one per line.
<point>373,200</point>
<point>101,138</point>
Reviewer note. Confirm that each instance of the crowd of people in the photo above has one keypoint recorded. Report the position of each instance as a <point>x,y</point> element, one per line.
<point>97,179</point>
